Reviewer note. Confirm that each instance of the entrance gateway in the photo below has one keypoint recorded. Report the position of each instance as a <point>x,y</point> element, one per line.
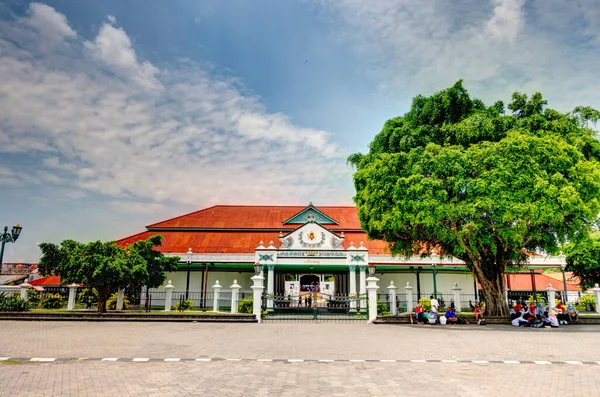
<point>311,275</point>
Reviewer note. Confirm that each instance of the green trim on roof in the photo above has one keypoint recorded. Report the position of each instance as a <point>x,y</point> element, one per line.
<point>304,216</point>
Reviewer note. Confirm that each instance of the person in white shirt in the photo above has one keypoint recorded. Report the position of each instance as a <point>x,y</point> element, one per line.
<point>518,321</point>
<point>434,304</point>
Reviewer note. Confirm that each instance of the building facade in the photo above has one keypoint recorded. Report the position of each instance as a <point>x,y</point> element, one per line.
<point>301,249</point>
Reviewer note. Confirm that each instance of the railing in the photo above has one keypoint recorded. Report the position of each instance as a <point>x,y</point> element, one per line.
<point>201,300</point>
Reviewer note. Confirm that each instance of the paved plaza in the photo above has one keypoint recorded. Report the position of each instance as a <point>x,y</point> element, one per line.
<point>288,359</point>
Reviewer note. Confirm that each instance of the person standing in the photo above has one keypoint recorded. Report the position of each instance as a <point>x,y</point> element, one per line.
<point>435,305</point>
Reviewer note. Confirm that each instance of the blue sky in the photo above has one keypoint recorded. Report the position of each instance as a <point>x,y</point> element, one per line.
<point>114,115</point>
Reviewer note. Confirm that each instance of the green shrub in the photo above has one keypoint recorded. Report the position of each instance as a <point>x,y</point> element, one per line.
<point>587,300</point>
<point>183,305</point>
<point>111,303</point>
<point>82,296</point>
<point>13,304</point>
<point>246,306</point>
<point>52,301</point>
<point>382,307</point>
<point>33,297</point>
<point>538,297</point>
<point>426,303</point>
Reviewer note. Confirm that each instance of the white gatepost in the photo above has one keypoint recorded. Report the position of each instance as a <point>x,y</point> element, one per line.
<point>456,294</point>
<point>120,297</point>
<point>352,296</point>
<point>257,289</point>
<point>506,295</point>
<point>270,286</point>
<point>72,294</point>
<point>551,291</point>
<point>596,290</point>
<point>392,291</point>
<point>235,296</point>
<point>409,297</point>
<point>24,290</point>
<point>217,291</point>
<point>372,295</point>
<point>363,285</point>
<point>168,296</point>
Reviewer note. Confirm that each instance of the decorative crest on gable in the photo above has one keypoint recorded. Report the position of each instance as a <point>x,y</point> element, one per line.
<point>311,236</point>
<point>310,214</point>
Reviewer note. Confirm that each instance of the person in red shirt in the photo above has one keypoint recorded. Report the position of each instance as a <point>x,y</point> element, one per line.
<point>478,312</point>
<point>532,308</point>
<point>517,308</point>
<point>420,313</point>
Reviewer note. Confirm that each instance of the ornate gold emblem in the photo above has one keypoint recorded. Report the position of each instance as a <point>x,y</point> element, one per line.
<point>311,235</point>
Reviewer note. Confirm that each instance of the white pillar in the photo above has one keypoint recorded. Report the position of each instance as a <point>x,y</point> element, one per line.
<point>372,291</point>
<point>72,294</point>
<point>235,296</point>
<point>551,291</point>
<point>506,295</point>
<point>24,290</point>
<point>363,285</point>
<point>596,290</point>
<point>257,289</point>
<point>352,296</point>
<point>120,297</point>
<point>168,296</point>
<point>270,286</point>
<point>217,292</point>
<point>409,298</point>
<point>392,291</point>
<point>143,296</point>
<point>456,294</point>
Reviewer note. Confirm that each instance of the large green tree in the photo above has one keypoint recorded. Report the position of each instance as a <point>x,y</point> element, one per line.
<point>473,182</point>
<point>583,259</point>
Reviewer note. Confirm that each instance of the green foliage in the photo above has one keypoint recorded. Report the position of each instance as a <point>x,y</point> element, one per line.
<point>246,306</point>
<point>52,301</point>
<point>111,303</point>
<point>83,295</point>
<point>478,184</point>
<point>426,303</point>
<point>11,303</point>
<point>538,298</point>
<point>183,305</point>
<point>382,307</point>
<point>33,297</point>
<point>583,259</point>
<point>587,300</point>
<point>156,263</point>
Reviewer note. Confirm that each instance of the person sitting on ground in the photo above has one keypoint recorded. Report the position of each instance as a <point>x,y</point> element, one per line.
<point>573,315</point>
<point>451,316</point>
<point>420,313</point>
<point>482,305</point>
<point>551,319</point>
<point>532,308</point>
<point>435,305</point>
<point>471,305</point>
<point>561,307</point>
<point>519,321</point>
<point>478,313</point>
<point>517,307</point>
<point>514,314</point>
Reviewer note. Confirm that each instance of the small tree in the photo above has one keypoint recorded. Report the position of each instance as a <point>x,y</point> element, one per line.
<point>583,259</point>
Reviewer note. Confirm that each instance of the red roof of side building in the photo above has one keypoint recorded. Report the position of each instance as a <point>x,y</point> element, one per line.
<point>522,282</point>
<point>50,281</point>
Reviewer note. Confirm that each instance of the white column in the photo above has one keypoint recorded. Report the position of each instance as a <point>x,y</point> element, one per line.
<point>257,289</point>
<point>143,296</point>
<point>456,294</point>
<point>409,298</point>
<point>235,296</point>
<point>72,295</point>
<point>120,297</point>
<point>392,291</point>
<point>270,286</point>
<point>168,296</point>
<point>551,291</point>
<point>596,290</point>
<point>217,292</point>
<point>372,292</point>
<point>24,290</point>
<point>363,285</point>
<point>352,295</point>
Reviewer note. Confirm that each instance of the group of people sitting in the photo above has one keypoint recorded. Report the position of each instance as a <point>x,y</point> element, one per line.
<point>432,317</point>
<point>530,315</point>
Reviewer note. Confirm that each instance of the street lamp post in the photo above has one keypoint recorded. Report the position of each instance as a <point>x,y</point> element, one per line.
<point>187,283</point>
<point>562,268</point>
<point>7,237</point>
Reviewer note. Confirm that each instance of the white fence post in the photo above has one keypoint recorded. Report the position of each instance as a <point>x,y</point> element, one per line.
<point>257,295</point>
<point>24,290</point>
<point>217,290</point>
<point>456,293</point>
<point>72,295</point>
<point>235,296</point>
<point>168,296</point>
<point>596,290</point>
<point>392,290</point>
<point>409,297</point>
<point>372,294</point>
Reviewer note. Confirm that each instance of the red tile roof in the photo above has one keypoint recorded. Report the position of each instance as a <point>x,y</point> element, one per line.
<point>50,281</point>
<point>258,217</point>
<point>522,282</point>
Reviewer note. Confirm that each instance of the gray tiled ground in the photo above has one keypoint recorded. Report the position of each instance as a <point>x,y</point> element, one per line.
<point>296,340</point>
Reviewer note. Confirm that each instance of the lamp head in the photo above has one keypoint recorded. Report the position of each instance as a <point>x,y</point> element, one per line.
<point>371,271</point>
<point>16,231</point>
<point>257,268</point>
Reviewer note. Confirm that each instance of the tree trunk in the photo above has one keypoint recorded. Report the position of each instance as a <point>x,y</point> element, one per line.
<point>492,284</point>
<point>103,295</point>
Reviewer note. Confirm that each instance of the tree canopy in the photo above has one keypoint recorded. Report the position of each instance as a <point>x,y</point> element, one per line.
<point>106,266</point>
<point>583,259</point>
<point>479,184</point>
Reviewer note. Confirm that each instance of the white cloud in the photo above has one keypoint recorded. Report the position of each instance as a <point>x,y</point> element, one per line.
<point>111,19</point>
<point>497,46</point>
<point>51,25</point>
<point>103,121</point>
